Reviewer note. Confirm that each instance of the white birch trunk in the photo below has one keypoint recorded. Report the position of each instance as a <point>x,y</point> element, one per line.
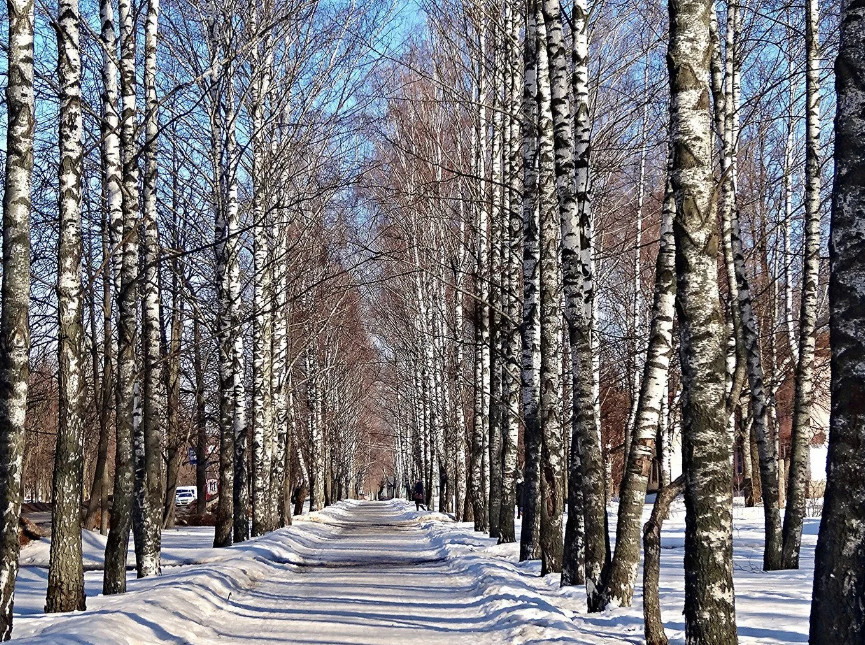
<point>585,466</point>
<point>14,326</point>
<point>531,335</point>
<point>316,434</point>
<point>65,569</point>
<point>623,571</point>
<point>552,450</point>
<point>482,313</point>
<point>512,262</point>
<point>803,398</point>
<point>262,326</point>
<point>121,515</point>
<point>709,606</point>
<point>153,403</point>
<point>749,332</point>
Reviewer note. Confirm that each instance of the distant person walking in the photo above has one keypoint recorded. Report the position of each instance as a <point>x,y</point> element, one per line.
<point>521,486</point>
<point>418,496</point>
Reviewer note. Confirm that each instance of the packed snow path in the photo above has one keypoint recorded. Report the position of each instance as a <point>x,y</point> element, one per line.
<point>374,580</point>
<point>354,573</point>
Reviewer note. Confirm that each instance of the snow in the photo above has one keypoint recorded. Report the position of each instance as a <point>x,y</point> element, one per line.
<point>379,572</point>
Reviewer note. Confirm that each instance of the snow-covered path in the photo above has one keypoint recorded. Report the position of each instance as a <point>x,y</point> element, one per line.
<point>357,572</point>
<point>367,572</point>
<point>376,579</point>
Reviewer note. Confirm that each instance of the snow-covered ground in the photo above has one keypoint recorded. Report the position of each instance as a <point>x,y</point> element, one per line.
<point>361,572</point>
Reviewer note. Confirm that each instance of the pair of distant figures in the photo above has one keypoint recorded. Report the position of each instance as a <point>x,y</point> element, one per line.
<point>420,498</point>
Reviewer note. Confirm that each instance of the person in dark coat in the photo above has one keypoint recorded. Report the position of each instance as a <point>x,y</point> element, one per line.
<point>521,485</point>
<point>418,496</point>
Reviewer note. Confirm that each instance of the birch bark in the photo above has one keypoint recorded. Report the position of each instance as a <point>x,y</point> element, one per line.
<point>512,261</point>
<point>496,281</point>
<point>114,580</point>
<point>749,333</point>
<point>177,438</point>
<point>65,569</point>
<point>803,397</point>
<point>623,570</point>
<point>552,450</point>
<point>222,124</point>
<point>585,466</point>
<point>112,202</point>
<point>14,323</point>
<point>153,403</point>
<point>317,473</point>
<point>709,606</point>
<point>201,442</point>
<point>531,350</point>
<point>262,327</point>
<point>838,612</point>
<point>482,311</point>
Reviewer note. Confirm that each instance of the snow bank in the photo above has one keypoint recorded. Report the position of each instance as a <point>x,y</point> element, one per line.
<point>179,605</point>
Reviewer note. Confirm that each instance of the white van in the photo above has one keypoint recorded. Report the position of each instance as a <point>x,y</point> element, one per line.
<point>185,495</point>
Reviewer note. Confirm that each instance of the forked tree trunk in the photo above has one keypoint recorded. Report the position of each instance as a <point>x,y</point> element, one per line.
<point>722,73</point>
<point>652,621</point>
<point>114,580</point>
<point>837,612</point>
<point>112,233</point>
<point>585,466</point>
<point>765,443</point>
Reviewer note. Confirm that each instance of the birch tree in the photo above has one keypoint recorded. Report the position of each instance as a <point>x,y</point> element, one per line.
<point>482,310</point>
<point>549,231</point>
<point>114,579</point>
<point>148,535</point>
<point>803,400</point>
<point>512,261</point>
<point>766,445</point>
<point>112,178</point>
<point>65,570</point>
<point>837,612</point>
<point>621,578</point>
<point>709,608</point>
<point>530,530</point>
<point>14,314</point>
<point>496,281</point>
<point>262,363</point>
<point>585,467</point>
